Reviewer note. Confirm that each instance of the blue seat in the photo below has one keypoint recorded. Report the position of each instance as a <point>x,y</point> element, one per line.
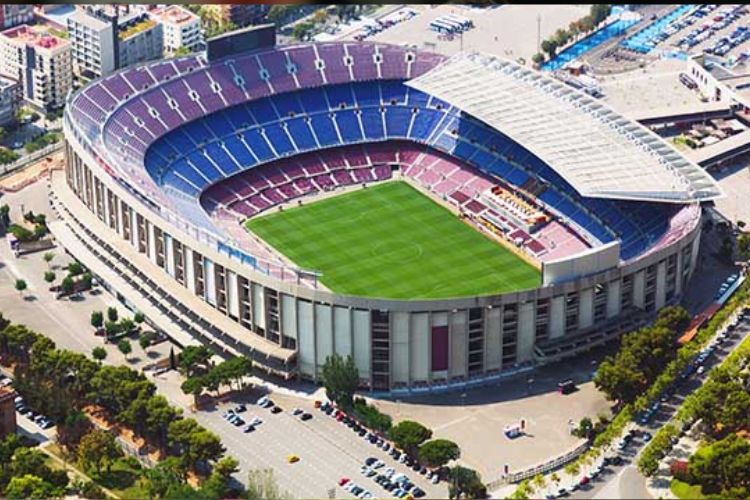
<point>324,129</point>
<point>372,122</point>
<point>301,133</point>
<point>416,98</point>
<point>240,152</point>
<point>258,145</point>
<point>198,132</point>
<point>180,184</point>
<point>339,94</point>
<point>424,122</point>
<point>397,120</point>
<point>239,116</point>
<point>219,124</point>
<point>200,162</point>
<point>279,139</point>
<point>221,158</point>
<point>393,91</point>
<point>287,104</point>
<point>313,101</point>
<point>366,94</point>
<point>348,124</point>
<point>179,141</point>
<point>263,111</point>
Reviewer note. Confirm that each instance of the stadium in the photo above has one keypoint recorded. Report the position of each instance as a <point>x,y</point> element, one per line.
<point>444,221</point>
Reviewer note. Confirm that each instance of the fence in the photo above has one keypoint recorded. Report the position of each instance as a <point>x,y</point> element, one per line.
<point>30,158</point>
<point>551,465</point>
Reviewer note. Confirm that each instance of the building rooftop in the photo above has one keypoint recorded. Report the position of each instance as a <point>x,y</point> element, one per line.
<point>35,37</point>
<point>131,29</point>
<point>7,393</point>
<point>174,14</point>
<point>598,151</point>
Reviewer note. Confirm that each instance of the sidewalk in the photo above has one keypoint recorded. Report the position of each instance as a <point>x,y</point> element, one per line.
<point>658,485</point>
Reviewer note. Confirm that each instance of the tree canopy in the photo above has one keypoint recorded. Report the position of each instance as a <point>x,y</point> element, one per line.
<point>340,378</point>
<point>408,435</point>
<point>438,452</point>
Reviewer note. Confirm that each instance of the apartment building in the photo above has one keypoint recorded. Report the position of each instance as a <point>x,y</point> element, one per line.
<point>40,61</point>
<point>10,99</point>
<point>182,28</point>
<point>110,37</point>
<point>15,14</point>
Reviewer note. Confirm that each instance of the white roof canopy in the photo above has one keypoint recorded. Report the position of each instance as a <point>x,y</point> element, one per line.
<point>598,151</point>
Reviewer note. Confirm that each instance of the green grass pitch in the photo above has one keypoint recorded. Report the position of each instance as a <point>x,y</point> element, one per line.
<point>391,241</point>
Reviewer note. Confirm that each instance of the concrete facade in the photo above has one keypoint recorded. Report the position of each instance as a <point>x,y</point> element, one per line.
<point>395,343</point>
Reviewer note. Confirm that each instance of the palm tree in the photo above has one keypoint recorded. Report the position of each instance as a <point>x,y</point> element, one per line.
<point>539,482</point>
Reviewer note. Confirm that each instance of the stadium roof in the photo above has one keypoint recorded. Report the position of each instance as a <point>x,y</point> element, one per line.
<point>598,151</point>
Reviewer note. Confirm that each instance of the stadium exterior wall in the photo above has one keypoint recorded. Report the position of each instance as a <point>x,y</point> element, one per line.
<point>396,344</point>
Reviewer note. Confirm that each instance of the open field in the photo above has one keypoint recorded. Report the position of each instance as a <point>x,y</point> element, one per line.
<point>391,241</point>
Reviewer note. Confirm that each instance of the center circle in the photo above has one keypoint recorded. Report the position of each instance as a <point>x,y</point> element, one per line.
<point>398,252</point>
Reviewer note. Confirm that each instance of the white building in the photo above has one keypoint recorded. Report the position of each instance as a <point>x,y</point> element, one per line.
<point>182,28</point>
<point>93,42</point>
<point>40,62</point>
<point>108,38</point>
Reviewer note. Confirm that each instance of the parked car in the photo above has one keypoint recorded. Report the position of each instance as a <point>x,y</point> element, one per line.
<point>305,416</point>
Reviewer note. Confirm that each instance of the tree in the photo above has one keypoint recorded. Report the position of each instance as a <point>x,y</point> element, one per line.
<point>438,452</point>
<point>743,246</point>
<point>49,276</point>
<point>465,483</point>
<point>194,360</point>
<point>75,268</point>
<point>408,435</point>
<point>48,258</point>
<point>97,319</point>
<point>722,466</point>
<point>196,444</point>
<point>549,47</point>
<point>97,448</point>
<point>262,485</point>
<point>340,378</point>
<point>112,313</point>
<point>30,486</point>
<point>124,347</point>
<point>66,285</point>
<point>72,428</point>
<point>537,58</point>
<point>218,484</point>
<point>194,386</point>
<point>144,341</point>
<point>92,491</point>
<point>138,317</point>
<point>573,468</point>
<point>99,353</point>
<point>21,286</point>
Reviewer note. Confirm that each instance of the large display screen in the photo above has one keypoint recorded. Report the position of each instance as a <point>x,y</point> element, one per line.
<point>241,40</point>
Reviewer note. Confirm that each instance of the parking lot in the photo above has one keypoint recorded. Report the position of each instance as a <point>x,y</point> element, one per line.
<point>327,449</point>
<point>721,30</point>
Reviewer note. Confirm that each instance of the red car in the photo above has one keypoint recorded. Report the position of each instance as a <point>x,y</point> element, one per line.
<point>339,417</point>
<point>584,480</point>
<point>343,481</point>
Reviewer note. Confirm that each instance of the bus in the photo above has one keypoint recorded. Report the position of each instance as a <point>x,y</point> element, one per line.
<point>441,27</point>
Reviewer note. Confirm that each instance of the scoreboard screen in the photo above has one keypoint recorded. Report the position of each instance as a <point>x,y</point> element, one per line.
<point>241,40</point>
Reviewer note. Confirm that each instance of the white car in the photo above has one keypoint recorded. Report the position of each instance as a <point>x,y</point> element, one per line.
<point>262,401</point>
<point>701,369</point>
<point>256,421</point>
<point>378,464</point>
<point>435,479</point>
<point>349,486</point>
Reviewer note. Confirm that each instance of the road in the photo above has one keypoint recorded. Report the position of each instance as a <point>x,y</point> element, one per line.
<point>625,481</point>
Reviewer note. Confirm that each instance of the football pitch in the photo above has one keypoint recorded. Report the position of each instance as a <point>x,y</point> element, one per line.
<point>391,241</point>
